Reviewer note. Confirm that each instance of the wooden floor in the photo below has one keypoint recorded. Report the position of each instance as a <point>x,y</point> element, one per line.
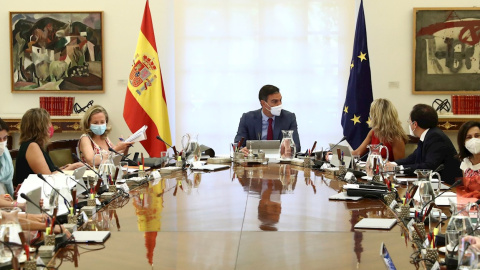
<point>264,217</point>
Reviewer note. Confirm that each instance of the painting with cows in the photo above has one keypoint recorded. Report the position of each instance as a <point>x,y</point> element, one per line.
<point>57,51</point>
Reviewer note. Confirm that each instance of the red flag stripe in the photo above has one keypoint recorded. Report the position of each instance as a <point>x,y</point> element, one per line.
<point>151,144</point>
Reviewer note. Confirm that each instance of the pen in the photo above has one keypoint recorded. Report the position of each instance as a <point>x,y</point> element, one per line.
<point>314,145</point>
<point>240,143</point>
<point>122,140</point>
<point>55,210</point>
<point>143,162</point>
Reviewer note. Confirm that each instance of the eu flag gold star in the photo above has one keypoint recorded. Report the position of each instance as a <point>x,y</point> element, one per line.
<point>345,109</point>
<point>355,119</point>
<point>351,65</point>
<point>368,121</point>
<point>362,56</point>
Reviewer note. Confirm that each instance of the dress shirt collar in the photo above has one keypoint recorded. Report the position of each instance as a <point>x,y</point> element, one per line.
<point>265,118</point>
<point>422,137</point>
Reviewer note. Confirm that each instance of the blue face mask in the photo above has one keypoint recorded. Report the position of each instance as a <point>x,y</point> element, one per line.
<point>98,129</point>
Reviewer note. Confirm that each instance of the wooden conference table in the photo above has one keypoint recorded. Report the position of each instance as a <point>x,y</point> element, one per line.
<point>272,216</point>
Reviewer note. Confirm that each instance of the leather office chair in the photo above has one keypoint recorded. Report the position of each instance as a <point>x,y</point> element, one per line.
<point>411,145</point>
<point>61,151</point>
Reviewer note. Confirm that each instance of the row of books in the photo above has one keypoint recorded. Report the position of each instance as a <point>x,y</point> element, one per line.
<point>57,105</point>
<point>466,104</point>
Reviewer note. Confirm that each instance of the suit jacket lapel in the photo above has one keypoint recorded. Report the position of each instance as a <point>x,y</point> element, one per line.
<point>277,129</point>
<point>258,125</point>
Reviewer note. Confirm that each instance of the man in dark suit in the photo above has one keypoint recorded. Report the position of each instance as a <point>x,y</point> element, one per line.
<point>434,147</point>
<point>256,125</point>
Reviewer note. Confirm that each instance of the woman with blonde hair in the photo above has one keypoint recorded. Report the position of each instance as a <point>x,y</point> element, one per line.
<point>386,129</point>
<point>35,132</point>
<point>95,139</point>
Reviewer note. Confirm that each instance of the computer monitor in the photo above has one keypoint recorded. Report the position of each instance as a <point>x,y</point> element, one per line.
<point>271,148</point>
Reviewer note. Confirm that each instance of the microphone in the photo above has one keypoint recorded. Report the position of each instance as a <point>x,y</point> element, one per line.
<point>45,180</point>
<point>343,139</point>
<point>463,252</point>
<point>439,168</point>
<point>173,147</point>
<point>71,178</point>
<point>457,183</point>
<point>61,235</point>
<point>123,156</point>
<point>86,165</point>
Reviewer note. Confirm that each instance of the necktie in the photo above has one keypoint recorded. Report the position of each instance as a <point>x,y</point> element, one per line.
<point>418,159</point>
<point>270,129</point>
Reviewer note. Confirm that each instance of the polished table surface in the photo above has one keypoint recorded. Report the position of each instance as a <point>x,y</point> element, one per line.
<point>256,217</point>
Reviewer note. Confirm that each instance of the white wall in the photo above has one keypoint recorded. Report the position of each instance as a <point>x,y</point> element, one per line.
<point>389,30</point>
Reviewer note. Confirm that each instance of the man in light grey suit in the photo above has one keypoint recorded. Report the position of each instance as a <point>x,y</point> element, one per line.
<point>256,125</point>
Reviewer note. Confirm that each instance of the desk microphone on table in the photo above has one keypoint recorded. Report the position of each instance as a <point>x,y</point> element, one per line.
<point>123,156</point>
<point>457,183</point>
<point>341,140</point>
<point>45,180</point>
<point>71,178</point>
<point>86,165</point>
<point>173,147</point>
<point>61,235</point>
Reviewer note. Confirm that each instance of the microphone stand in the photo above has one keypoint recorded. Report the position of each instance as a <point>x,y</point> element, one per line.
<point>173,147</point>
<point>61,235</point>
<point>458,182</point>
<point>123,156</point>
<point>71,178</point>
<point>88,166</point>
<point>65,199</point>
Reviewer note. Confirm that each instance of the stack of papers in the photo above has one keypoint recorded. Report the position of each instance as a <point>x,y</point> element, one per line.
<point>139,135</point>
<point>376,223</point>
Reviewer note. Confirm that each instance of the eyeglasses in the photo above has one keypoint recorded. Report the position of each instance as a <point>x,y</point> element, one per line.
<point>410,121</point>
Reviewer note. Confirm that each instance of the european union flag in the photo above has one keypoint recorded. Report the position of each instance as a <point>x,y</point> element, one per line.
<point>359,91</point>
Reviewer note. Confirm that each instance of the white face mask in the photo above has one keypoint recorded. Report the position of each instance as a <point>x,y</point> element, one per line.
<point>275,110</point>
<point>473,145</point>
<point>3,146</point>
<point>410,130</point>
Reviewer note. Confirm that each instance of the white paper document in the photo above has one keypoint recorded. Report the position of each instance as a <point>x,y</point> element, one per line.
<point>139,135</point>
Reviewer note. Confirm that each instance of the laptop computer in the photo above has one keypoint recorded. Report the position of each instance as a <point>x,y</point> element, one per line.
<point>35,196</point>
<point>269,147</point>
<point>347,156</point>
<point>90,236</point>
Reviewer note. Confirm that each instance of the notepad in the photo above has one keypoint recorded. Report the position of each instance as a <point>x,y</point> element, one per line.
<point>376,223</point>
<point>342,196</point>
<point>90,236</point>
<point>210,167</point>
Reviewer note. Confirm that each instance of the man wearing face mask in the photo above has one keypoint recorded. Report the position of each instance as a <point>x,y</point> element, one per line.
<point>6,165</point>
<point>434,147</point>
<point>268,122</point>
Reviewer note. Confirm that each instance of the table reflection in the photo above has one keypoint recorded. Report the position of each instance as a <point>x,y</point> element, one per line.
<point>148,204</point>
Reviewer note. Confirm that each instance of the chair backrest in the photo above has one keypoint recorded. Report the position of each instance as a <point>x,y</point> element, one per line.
<point>61,151</point>
<point>411,145</point>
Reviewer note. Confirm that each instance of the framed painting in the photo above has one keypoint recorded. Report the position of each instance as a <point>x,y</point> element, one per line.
<point>59,52</point>
<point>446,51</point>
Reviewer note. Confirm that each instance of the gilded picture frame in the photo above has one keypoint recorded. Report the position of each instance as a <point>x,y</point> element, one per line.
<point>446,51</point>
<point>60,52</point>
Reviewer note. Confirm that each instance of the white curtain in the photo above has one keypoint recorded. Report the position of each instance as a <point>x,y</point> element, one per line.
<point>226,50</point>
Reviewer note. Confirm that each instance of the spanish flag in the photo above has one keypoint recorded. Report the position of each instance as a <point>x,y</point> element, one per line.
<point>145,102</point>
